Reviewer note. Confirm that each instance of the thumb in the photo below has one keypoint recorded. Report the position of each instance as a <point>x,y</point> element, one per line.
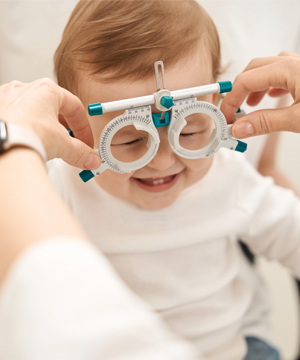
<point>267,121</point>
<point>77,153</point>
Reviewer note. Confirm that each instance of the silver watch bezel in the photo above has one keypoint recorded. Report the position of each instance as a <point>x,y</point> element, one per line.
<point>3,135</point>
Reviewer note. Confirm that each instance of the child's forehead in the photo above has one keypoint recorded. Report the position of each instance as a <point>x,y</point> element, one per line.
<point>190,72</point>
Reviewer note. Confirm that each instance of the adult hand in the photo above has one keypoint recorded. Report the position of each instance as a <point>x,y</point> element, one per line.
<point>47,110</point>
<point>272,75</point>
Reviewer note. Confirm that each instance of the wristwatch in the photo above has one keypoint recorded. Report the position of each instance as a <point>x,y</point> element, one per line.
<point>12,135</point>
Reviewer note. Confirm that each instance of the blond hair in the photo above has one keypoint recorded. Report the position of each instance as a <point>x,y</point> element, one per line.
<point>121,39</point>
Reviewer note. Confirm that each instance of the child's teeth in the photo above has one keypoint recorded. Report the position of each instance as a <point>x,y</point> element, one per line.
<point>156,181</point>
<point>160,181</point>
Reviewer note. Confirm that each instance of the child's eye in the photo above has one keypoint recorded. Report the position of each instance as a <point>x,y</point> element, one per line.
<point>187,135</point>
<point>129,136</point>
<point>129,143</point>
<point>133,142</point>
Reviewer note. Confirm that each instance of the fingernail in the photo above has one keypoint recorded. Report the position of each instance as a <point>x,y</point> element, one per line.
<point>242,130</point>
<point>92,162</point>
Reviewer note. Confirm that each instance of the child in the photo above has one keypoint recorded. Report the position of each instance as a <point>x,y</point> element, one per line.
<point>170,228</point>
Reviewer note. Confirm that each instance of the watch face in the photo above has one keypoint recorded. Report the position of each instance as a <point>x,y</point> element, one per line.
<point>3,135</point>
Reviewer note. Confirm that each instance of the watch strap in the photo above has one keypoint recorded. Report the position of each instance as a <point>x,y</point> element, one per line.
<point>19,135</point>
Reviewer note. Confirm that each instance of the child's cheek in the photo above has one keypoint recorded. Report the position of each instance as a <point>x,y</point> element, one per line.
<point>198,166</point>
<point>96,130</point>
<point>112,181</point>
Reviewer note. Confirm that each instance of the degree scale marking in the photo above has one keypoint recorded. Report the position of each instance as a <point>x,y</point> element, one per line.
<point>127,117</point>
<point>194,105</point>
<point>190,105</point>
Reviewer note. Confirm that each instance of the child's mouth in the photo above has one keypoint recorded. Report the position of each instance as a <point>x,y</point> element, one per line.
<point>157,184</point>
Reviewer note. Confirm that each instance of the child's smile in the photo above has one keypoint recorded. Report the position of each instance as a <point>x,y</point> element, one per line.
<point>160,182</point>
<point>157,184</point>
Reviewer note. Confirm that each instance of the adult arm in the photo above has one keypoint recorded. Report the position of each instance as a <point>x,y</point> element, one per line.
<point>38,106</point>
<point>60,298</point>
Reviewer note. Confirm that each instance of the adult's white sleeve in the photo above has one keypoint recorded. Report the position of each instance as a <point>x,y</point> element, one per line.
<point>62,300</point>
<point>272,226</point>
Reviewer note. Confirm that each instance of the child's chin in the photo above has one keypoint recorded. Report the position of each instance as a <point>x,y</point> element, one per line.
<point>156,204</point>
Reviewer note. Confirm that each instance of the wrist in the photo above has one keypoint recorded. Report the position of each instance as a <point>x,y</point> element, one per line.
<point>20,160</point>
<point>13,135</point>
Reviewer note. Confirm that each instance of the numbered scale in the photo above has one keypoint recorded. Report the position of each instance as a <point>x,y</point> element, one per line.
<point>196,129</point>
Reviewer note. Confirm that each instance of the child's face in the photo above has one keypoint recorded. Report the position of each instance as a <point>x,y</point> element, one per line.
<point>159,183</point>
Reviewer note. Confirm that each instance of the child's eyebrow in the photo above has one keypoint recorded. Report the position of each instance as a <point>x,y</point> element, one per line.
<point>126,132</point>
<point>193,120</point>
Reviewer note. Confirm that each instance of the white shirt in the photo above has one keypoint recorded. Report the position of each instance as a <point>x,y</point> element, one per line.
<point>62,300</point>
<point>183,259</point>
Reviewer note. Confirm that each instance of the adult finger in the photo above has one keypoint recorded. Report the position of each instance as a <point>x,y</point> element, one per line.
<point>267,121</point>
<point>74,152</point>
<point>288,53</point>
<point>254,98</point>
<point>263,61</point>
<point>70,111</point>
<point>277,92</point>
<point>281,74</point>
<point>74,114</point>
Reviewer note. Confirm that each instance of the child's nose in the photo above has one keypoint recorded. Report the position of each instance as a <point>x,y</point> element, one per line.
<point>165,157</point>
